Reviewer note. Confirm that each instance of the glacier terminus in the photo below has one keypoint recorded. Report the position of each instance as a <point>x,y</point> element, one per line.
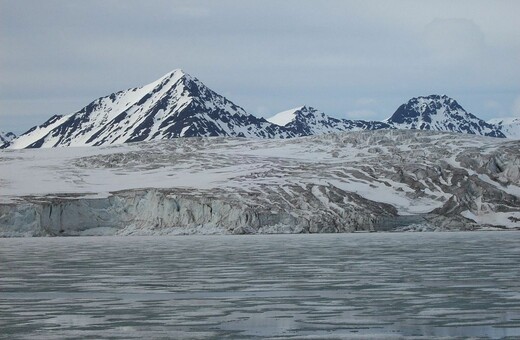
<point>340,182</point>
<point>175,157</point>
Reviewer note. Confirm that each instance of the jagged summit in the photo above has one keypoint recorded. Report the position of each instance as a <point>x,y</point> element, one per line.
<point>440,113</point>
<point>423,108</point>
<point>175,105</point>
<point>175,72</point>
<point>179,105</point>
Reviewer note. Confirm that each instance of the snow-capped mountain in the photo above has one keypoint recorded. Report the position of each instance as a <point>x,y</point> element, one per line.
<point>434,112</point>
<point>510,127</point>
<point>176,105</point>
<point>179,105</point>
<point>6,138</point>
<point>440,113</point>
<point>306,121</point>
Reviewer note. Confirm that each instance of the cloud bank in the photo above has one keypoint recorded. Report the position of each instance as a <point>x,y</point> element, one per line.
<point>266,56</point>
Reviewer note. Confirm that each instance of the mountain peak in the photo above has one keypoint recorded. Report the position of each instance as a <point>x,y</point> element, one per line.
<point>436,97</point>
<point>439,113</point>
<point>171,79</point>
<point>179,71</point>
<point>176,73</point>
<point>179,105</point>
<point>434,100</point>
<point>175,105</point>
<point>424,108</point>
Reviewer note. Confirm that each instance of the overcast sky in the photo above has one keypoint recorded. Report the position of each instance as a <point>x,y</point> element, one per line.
<point>350,59</point>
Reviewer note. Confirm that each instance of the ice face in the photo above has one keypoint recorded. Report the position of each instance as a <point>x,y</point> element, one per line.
<point>330,183</point>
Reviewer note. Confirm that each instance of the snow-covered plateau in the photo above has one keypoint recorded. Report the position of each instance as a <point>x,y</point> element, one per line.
<point>340,182</point>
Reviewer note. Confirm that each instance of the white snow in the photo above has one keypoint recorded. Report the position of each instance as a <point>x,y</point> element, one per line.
<point>359,163</point>
<point>285,117</point>
<point>494,218</point>
<point>509,126</point>
<point>507,120</point>
<point>440,114</point>
<point>147,113</point>
<point>152,112</point>
<point>27,139</point>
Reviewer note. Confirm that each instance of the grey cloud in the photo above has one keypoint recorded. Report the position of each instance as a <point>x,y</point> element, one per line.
<point>266,56</point>
<point>516,107</point>
<point>454,40</point>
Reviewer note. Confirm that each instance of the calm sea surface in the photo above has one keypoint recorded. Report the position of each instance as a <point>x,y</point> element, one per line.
<point>381,286</point>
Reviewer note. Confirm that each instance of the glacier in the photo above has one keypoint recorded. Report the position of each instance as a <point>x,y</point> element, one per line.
<point>340,182</point>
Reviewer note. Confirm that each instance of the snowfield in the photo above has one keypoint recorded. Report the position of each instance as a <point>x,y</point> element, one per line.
<point>342,182</point>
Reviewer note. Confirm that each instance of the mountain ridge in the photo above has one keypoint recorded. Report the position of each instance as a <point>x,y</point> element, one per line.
<point>307,121</point>
<point>179,105</point>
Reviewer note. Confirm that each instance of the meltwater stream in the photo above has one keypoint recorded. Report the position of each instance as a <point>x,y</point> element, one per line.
<point>383,286</point>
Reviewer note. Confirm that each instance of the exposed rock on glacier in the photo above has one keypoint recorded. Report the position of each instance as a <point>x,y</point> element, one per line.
<point>373,180</point>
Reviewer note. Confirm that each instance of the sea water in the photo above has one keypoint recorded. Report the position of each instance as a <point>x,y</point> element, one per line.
<point>347,286</point>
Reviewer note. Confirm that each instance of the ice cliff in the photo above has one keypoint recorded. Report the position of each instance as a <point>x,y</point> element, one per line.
<point>372,180</point>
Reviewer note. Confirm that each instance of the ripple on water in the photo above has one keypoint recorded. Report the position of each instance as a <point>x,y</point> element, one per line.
<point>425,285</point>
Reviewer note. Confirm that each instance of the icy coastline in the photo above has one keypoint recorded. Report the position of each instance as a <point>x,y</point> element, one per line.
<point>361,181</point>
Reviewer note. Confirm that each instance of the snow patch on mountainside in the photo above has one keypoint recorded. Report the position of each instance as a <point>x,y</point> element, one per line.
<point>39,132</point>
<point>285,117</point>
<point>510,127</point>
